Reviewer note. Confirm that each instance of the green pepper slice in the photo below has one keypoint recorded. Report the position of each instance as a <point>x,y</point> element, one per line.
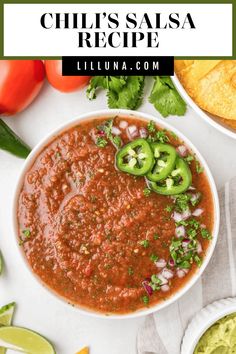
<point>135,158</point>
<point>165,156</point>
<point>177,182</point>
<point>10,142</point>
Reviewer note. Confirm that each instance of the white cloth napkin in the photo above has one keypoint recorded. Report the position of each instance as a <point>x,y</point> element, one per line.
<point>162,332</point>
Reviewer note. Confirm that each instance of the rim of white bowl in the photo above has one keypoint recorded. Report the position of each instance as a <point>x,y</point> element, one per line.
<point>108,113</point>
<point>205,318</point>
<point>217,125</point>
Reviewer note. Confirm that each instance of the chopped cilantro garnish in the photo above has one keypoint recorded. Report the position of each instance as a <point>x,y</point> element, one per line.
<point>106,128</point>
<point>164,244</point>
<point>107,266</point>
<point>173,135</point>
<point>169,208</point>
<point>199,168</point>
<point>189,159</point>
<point>194,223</point>
<point>185,265</point>
<point>184,256</point>
<point>108,236</point>
<point>26,233</point>
<point>130,271</point>
<point>155,279</point>
<point>206,234</point>
<point>117,141</point>
<point>161,136</point>
<point>198,260</point>
<point>101,142</point>
<point>93,198</point>
<point>151,127</point>
<point>145,299</point>
<point>144,243</point>
<point>182,202</point>
<point>196,199</point>
<point>153,258</point>
<point>146,192</point>
<point>156,236</point>
<point>192,233</point>
<point>155,282</point>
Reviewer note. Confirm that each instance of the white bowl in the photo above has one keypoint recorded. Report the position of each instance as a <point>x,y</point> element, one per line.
<point>204,320</point>
<point>108,114</point>
<point>209,118</point>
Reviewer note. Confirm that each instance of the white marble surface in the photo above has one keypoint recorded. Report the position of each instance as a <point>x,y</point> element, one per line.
<point>36,308</point>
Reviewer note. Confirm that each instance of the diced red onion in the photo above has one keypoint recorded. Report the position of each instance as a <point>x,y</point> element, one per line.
<point>167,273</point>
<point>101,133</point>
<point>165,288</point>
<point>197,212</point>
<point>171,262</point>
<point>177,216</point>
<point>180,231</point>
<point>182,150</point>
<point>203,226</point>
<point>185,242</point>
<point>162,279</point>
<point>132,132</point>
<point>186,270</point>
<point>195,197</point>
<point>191,188</point>
<point>147,287</point>
<point>186,214</point>
<point>123,124</point>
<point>143,132</point>
<point>180,273</point>
<point>161,263</point>
<point>199,247</point>
<point>115,131</point>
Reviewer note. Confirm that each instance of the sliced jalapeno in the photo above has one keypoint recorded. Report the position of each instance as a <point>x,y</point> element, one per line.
<point>177,182</point>
<point>164,156</point>
<point>135,158</point>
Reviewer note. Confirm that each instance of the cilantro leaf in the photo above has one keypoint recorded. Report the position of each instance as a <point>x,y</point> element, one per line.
<point>166,98</point>
<point>127,94</point>
<point>122,91</point>
<point>144,243</point>
<point>101,142</point>
<point>95,83</point>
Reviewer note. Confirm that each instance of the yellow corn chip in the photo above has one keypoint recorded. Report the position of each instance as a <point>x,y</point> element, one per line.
<point>85,350</point>
<point>211,84</point>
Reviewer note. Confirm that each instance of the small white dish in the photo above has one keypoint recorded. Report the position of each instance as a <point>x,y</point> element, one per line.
<point>204,320</point>
<point>108,113</point>
<point>209,118</point>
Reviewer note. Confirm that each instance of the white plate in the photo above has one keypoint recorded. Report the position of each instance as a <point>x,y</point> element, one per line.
<point>108,113</point>
<point>209,118</point>
<point>204,320</point>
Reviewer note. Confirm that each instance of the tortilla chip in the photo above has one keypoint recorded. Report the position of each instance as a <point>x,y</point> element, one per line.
<point>182,64</point>
<point>211,84</point>
<point>229,122</point>
<point>85,350</point>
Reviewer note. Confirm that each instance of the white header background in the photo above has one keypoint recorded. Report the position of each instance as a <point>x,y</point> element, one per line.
<point>24,35</point>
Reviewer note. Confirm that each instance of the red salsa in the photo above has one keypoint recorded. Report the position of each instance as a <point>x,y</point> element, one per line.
<point>100,237</point>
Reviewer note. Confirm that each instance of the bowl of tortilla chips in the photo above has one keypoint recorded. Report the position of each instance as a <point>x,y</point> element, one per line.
<point>209,86</point>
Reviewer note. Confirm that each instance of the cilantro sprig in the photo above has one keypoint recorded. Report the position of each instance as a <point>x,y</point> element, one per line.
<point>122,91</point>
<point>127,92</point>
<point>166,98</point>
